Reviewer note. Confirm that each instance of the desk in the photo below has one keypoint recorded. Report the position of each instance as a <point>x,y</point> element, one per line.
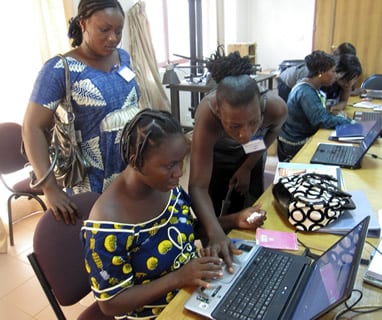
<point>202,88</point>
<point>368,178</point>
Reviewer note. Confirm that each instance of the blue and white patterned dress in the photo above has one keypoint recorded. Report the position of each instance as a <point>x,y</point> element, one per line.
<point>120,255</point>
<point>103,102</point>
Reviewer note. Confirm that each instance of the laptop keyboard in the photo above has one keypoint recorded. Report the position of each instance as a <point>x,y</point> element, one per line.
<point>252,295</point>
<point>340,154</point>
<point>366,116</point>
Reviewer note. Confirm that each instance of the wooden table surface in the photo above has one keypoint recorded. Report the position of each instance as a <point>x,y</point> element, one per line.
<point>368,179</point>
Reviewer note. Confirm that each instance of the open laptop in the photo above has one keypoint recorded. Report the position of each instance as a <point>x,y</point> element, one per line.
<point>367,116</point>
<point>346,156</point>
<point>307,290</point>
<point>373,94</point>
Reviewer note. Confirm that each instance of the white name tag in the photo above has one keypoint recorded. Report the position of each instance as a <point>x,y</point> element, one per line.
<point>254,145</point>
<point>126,73</point>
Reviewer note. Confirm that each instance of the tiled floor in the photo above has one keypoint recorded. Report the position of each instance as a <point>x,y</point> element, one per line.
<point>21,297</point>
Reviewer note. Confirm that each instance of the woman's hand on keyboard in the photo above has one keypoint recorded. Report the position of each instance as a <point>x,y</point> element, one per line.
<point>221,246</point>
<point>198,272</point>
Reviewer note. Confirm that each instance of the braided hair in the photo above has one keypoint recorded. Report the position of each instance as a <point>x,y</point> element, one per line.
<point>147,129</point>
<point>86,8</point>
<point>232,75</point>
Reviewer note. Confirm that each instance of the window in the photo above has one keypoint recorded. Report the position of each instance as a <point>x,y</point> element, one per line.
<point>170,28</point>
<point>169,25</point>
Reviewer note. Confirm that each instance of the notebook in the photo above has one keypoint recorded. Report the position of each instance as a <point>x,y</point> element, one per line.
<point>346,156</point>
<point>373,274</point>
<point>307,289</point>
<point>354,132</point>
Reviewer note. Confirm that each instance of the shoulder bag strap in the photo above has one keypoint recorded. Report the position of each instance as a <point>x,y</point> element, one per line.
<point>68,103</point>
<point>69,123</point>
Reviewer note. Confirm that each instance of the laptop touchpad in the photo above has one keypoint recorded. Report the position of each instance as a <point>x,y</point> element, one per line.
<point>227,277</point>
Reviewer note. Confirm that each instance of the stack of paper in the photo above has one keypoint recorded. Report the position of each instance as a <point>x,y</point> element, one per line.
<point>285,169</point>
<point>350,218</point>
<point>367,105</point>
<point>373,274</point>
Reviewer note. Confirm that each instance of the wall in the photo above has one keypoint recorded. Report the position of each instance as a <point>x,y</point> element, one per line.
<point>282,29</point>
<point>21,52</point>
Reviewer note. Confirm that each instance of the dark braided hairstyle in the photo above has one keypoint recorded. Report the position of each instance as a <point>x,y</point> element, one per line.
<point>232,75</point>
<point>147,129</point>
<point>87,8</point>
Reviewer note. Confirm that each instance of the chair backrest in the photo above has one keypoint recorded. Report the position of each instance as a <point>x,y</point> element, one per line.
<point>373,82</point>
<point>59,253</point>
<point>285,64</point>
<point>11,159</point>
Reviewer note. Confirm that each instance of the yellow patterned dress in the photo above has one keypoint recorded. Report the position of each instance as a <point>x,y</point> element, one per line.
<point>119,256</point>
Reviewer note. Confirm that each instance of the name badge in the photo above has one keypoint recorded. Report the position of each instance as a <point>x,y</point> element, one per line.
<point>254,145</point>
<point>126,73</point>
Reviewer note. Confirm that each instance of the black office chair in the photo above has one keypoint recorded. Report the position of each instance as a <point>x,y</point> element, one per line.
<point>11,162</point>
<point>373,82</point>
<point>58,260</point>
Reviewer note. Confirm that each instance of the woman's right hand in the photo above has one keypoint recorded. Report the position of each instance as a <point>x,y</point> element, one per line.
<point>59,202</point>
<point>197,272</point>
<point>220,245</point>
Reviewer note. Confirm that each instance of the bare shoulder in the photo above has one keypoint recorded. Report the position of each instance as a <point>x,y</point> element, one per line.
<point>110,204</point>
<point>276,108</point>
<point>207,123</point>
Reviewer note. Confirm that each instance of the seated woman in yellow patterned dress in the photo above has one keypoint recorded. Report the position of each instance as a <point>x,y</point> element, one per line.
<point>139,238</point>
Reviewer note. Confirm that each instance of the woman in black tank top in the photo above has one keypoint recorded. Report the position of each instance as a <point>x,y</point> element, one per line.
<point>233,127</point>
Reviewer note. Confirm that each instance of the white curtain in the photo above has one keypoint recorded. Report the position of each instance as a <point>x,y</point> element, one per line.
<point>52,27</point>
<point>38,33</point>
<point>144,61</point>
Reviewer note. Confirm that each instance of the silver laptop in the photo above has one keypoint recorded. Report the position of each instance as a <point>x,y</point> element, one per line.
<point>270,284</point>
<point>346,156</point>
<point>374,94</point>
<point>367,115</point>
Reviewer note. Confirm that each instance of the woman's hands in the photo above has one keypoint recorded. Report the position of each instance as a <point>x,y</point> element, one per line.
<point>198,272</point>
<point>221,246</point>
<point>59,202</point>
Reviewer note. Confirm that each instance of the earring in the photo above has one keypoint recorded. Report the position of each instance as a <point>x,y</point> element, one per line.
<point>320,75</point>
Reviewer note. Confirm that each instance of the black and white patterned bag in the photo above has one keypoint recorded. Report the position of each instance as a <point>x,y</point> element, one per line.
<point>311,200</point>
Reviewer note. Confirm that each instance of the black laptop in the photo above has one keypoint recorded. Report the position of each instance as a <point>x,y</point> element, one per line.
<point>346,156</point>
<point>270,284</point>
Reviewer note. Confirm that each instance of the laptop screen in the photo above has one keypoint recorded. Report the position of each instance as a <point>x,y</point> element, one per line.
<point>371,136</point>
<point>333,275</point>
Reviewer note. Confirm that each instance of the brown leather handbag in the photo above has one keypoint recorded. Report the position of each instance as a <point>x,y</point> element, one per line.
<point>67,161</point>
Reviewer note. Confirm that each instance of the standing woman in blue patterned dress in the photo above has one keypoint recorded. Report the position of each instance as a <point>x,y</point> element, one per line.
<point>104,96</point>
<point>139,238</point>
